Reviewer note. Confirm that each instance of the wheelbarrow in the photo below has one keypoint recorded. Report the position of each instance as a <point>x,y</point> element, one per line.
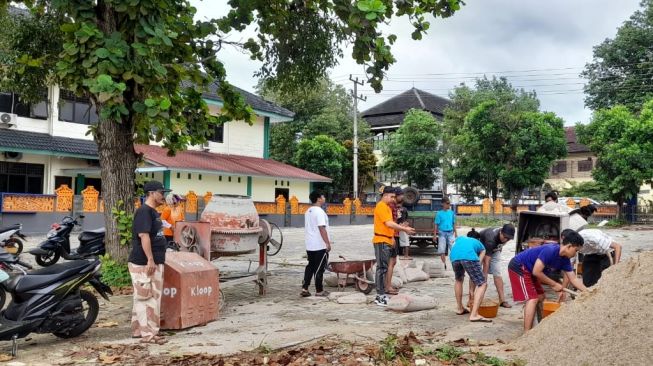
<point>357,269</point>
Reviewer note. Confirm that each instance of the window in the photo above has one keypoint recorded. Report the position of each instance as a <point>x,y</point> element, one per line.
<point>21,177</point>
<point>218,134</point>
<point>76,109</point>
<point>585,166</point>
<point>11,103</point>
<point>560,167</point>
<point>60,180</point>
<point>285,192</point>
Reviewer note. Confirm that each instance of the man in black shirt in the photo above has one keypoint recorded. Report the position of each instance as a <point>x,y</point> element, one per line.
<point>493,240</point>
<point>146,264</point>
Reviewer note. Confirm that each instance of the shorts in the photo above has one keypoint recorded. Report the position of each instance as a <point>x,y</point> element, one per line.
<point>393,251</point>
<point>404,239</point>
<point>473,269</point>
<point>524,287</point>
<point>495,264</point>
<point>445,241</point>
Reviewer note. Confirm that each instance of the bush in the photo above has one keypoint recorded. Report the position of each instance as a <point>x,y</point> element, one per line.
<point>115,274</point>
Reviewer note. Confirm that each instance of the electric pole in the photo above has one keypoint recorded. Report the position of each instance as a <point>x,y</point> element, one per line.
<point>356,97</point>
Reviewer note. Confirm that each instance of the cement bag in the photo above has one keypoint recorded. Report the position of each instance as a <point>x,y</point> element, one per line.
<point>408,303</point>
<point>397,282</point>
<point>355,298</point>
<point>420,265</point>
<point>434,269</point>
<point>330,279</point>
<point>577,222</point>
<point>333,296</point>
<point>400,272</point>
<point>414,275</point>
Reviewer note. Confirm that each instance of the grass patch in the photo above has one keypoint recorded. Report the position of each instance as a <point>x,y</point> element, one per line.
<point>480,221</point>
<point>115,274</point>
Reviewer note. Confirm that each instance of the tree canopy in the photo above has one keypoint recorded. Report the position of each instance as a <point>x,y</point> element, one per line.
<point>620,72</point>
<point>145,64</point>
<point>414,150</point>
<point>322,155</point>
<point>623,144</point>
<point>495,134</point>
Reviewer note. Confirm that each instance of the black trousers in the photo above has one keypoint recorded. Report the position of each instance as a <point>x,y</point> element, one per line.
<point>317,261</point>
<point>593,267</point>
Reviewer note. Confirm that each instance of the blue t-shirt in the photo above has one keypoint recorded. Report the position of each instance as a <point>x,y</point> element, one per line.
<point>445,220</point>
<point>465,249</point>
<point>549,254</point>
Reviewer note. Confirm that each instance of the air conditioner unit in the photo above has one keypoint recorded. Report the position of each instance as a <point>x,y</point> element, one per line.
<point>8,120</point>
<point>13,155</point>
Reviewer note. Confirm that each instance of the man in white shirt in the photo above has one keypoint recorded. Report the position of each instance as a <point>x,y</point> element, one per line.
<point>596,254</point>
<point>318,244</point>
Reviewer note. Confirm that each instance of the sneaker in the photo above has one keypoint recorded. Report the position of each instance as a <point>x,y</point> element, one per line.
<point>381,300</point>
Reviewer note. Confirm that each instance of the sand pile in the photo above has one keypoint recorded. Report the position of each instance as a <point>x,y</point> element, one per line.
<point>610,325</point>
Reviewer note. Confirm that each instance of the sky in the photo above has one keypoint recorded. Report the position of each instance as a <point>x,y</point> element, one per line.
<point>537,45</point>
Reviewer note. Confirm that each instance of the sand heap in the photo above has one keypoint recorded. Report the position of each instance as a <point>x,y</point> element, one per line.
<point>610,325</point>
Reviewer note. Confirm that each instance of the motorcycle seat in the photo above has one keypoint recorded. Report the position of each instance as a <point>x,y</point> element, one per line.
<point>45,276</point>
<point>7,228</point>
<point>91,234</point>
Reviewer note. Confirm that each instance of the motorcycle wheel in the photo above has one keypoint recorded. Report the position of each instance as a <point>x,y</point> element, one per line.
<point>91,306</point>
<point>3,298</point>
<point>47,260</point>
<point>13,246</point>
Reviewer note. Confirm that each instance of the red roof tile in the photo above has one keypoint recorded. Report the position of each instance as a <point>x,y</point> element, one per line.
<point>226,164</point>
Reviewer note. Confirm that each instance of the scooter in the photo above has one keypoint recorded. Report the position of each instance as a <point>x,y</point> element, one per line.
<point>57,244</point>
<point>10,264</point>
<point>10,238</point>
<point>49,300</point>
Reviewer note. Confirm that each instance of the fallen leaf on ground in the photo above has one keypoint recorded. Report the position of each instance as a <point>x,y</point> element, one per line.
<point>108,360</point>
<point>108,324</point>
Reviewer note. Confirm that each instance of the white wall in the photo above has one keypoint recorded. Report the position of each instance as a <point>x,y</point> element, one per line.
<point>216,184</point>
<point>263,189</point>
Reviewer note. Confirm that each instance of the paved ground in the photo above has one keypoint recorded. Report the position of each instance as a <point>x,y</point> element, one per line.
<point>282,317</point>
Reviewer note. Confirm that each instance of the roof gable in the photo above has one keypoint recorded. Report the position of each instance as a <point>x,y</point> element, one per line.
<point>412,98</point>
<point>573,146</point>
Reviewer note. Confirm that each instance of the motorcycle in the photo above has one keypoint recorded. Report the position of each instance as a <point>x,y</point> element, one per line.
<point>57,243</point>
<point>10,264</point>
<point>49,300</point>
<point>10,238</point>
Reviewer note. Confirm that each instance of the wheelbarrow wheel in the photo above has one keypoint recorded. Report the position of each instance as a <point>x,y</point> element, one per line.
<point>363,286</point>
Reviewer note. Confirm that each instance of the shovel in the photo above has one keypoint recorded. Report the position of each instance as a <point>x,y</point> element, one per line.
<point>571,292</point>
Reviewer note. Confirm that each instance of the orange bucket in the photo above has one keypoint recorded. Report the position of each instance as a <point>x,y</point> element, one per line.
<point>488,308</point>
<point>549,307</point>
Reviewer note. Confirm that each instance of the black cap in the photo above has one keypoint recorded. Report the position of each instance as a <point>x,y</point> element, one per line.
<point>508,231</point>
<point>399,191</point>
<point>154,185</point>
<point>388,189</point>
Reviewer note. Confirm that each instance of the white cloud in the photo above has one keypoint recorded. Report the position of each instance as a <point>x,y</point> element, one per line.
<point>485,36</point>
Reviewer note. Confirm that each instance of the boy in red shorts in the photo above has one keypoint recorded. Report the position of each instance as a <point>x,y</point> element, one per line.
<point>526,272</point>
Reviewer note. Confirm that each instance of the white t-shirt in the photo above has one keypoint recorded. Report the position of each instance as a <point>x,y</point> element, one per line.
<point>313,219</point>
<point>596,242</point>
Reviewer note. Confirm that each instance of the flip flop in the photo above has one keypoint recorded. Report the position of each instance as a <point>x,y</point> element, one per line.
<point>505,305</point>
<point>465,311</point>
<point>322,294</point>
<point>481,320</point>
<point>392,292</point>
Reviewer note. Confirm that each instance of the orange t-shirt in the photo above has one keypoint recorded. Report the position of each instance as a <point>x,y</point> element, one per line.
<point>382,233</point>
<point>172,215</point>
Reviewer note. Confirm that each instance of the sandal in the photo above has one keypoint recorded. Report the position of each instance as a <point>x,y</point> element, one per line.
<point>392,291</point>
<point>305,293</point>
<point>157,339</point>
<point>481,320</point>
<point>465,311</point>
<point>322,294</point>
<point>505,304</point>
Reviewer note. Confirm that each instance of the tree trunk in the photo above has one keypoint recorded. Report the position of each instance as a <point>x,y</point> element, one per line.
<point>620,209</point>
<point>515,196</point>
<point>118,160</point>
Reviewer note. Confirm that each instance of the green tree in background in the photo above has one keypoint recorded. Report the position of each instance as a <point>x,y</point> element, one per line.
<point>366,166</point>
<point>623,144</point>
<point>322,155</point>
<point>414,149</point>
<point>620,73</point>
<point>145,64</point>
<point>464,164</point>
<point>590,189</point>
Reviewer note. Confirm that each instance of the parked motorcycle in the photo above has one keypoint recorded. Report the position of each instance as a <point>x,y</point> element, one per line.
<point>10,238</point>
<point>10,264</point>
<point>49,300</point>
<point>57,243</point>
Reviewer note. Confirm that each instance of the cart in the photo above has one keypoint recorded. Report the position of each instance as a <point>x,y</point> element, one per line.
<point>357,269</point>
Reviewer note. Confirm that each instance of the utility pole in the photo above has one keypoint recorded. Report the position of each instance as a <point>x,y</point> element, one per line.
<point>356,97</point>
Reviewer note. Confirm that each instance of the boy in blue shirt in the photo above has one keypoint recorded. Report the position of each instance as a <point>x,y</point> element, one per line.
<point>527,272</point>
<point>445,226</point>
<point>466,256</point>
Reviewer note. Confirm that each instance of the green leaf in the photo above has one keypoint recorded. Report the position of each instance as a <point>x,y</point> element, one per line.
<point>102,53</point>
<point>370,16</point>
<point>150,102</point>
<point>165,104</point>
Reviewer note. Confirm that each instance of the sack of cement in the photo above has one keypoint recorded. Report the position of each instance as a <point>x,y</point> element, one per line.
<point>420,265</point>
<point>414,275</point>
<point>371,273</point>
<point>406,263</point>
<point>397,282</point>
<point>400,272</point>
<point>408,303</point>
<point>331,280</point>
<point>435,269</point>
<point>355,298</point>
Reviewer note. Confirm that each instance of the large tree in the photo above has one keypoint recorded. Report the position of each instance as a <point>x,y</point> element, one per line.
<point>463,166</point>
<point>414,150</point>
<point>623,144</point>
<point>145,64</point>
<point>322,155</point>
<point>620,72</point>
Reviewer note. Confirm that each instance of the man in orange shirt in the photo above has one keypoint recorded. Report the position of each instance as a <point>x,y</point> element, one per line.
<point>384,233</point>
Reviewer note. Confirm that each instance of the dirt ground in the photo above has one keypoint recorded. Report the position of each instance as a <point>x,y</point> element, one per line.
<point>282,318</point>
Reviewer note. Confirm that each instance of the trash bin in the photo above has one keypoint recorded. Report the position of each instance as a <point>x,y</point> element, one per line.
<point>191,291</point>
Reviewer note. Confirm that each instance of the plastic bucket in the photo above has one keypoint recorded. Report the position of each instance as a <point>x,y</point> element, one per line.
<point>488,308</point>
<point>549,307</point>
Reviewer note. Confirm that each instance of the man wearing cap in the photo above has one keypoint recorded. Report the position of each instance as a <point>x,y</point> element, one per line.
<point>146,264</point>
<point>493,240</point>
<point>384,233</point>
